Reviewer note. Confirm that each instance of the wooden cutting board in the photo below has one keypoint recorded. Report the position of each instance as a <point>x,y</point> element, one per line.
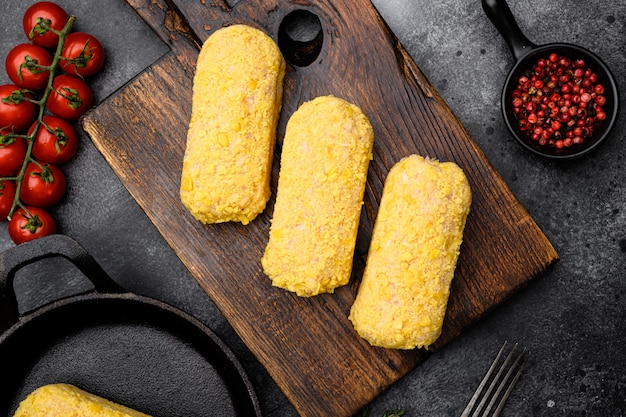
<point>308,345</point>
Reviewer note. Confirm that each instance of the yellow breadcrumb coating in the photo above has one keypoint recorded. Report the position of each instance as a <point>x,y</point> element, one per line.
<point>324,162</point>
<point>64,400</point>
<point>403,296</point>
<point>237,96</point>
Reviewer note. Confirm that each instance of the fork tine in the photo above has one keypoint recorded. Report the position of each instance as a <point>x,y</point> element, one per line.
<point>520,362</point>
<point>496,383</point>
<point>478,391</point>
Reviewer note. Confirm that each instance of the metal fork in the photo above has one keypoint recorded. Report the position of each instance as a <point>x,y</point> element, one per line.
<point>511,367</point>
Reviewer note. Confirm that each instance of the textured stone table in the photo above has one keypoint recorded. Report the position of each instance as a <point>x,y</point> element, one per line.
<point>572,319</point>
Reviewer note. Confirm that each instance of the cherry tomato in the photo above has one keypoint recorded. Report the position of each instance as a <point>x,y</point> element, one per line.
<point>12,154</point>
<point>28,223</point>
<point>16,112</point>
<point>70,97</point>
<point>42,186</point>
<point>7,195</point>
<point>39,18</point>
<point>82,54</point>
<point>24,66</point>
<point>56,141</point>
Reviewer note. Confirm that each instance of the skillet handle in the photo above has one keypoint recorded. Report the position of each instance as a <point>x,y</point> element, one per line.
<point>499,13</point>
<point>24,254</point>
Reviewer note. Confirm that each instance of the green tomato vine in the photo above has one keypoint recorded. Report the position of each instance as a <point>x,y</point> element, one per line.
<point>22,95</point>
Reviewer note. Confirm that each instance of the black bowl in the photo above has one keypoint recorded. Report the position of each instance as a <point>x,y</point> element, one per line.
<point>526,55</point>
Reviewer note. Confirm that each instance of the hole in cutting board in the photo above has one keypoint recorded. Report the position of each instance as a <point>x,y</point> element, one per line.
<point>300,37</point>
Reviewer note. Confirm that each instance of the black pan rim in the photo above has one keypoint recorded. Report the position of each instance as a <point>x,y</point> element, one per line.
<point>605,73</point>
<point>235,369</point>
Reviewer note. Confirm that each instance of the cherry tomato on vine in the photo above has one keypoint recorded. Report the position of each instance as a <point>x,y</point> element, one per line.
<point>39,18</point>
<point>25,66</point>
<point>70,97</point>
<point>12,154</point>
<point>7,195</point>
<point>16,111</point>
<point>28,223</point>
<point>82,54</point>
<point>56,141</point>
<point>42,186</point>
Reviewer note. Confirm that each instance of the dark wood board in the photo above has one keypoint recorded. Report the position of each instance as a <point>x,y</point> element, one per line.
<point>307,344</point>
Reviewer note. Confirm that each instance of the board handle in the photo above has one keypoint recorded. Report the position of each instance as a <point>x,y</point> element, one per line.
<point>500,14</point>
<point>13,259</point>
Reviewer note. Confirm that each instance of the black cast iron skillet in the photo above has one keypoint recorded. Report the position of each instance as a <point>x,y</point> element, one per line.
<point>526,54</point>
<point>130,349</point>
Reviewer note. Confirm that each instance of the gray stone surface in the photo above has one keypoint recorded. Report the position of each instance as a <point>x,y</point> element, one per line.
<point>573,319</point>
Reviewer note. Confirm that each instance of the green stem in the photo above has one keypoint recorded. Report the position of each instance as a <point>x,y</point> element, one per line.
<point>42,108</point>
